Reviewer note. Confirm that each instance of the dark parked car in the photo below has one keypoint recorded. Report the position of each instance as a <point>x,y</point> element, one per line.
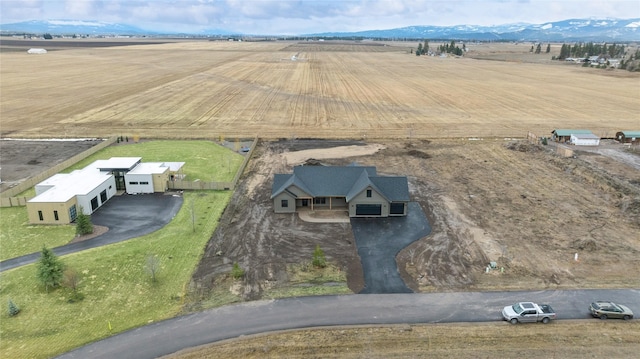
<point>603,310</point>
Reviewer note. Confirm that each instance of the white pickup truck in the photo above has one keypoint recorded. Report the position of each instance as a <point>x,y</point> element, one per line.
<point>525,312</point>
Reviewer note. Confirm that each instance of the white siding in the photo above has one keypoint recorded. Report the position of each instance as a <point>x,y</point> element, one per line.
<point>139,183</point>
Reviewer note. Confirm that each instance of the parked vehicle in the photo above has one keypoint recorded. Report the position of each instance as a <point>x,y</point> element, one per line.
<point>525,312</point>
<point>603,310</point>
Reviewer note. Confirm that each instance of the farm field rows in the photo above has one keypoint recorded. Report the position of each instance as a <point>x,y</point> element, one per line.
<point>243,89</point>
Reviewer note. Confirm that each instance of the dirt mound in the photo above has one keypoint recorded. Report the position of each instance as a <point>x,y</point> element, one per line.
<point>418,154</point>
<point>523,146</point>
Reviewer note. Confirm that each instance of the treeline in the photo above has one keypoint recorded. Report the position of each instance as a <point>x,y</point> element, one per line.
<point>447,48</point>
<point>591,49</point>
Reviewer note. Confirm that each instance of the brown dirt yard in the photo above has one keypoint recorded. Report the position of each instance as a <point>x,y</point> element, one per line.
<point>514,203</point>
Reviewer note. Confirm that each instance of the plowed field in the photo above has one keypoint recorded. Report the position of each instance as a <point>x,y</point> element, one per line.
<point>520,205</point>
<point>331,90</point>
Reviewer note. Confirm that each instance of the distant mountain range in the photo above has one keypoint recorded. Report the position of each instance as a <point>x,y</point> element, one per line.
<point>610,30</point>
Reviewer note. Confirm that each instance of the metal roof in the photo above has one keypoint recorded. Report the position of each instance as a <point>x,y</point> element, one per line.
<point>338,181</point>
<point>565,132</point>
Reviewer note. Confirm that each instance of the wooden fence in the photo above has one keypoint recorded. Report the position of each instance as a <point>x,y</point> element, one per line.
<point>8,198</point>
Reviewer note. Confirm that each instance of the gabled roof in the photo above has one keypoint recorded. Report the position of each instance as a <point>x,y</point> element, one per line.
<point>565,132</point>
<point>338,181</point>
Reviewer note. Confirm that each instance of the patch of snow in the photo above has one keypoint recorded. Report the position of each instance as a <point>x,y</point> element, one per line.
<point>546,26</point>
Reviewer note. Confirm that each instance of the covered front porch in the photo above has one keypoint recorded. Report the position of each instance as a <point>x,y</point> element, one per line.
<point>322,203</point>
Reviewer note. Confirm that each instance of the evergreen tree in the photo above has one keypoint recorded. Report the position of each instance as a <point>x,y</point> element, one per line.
<point>425,48</point>
<point>50,269</point>
<point>548,48</point>
<point>12,309</point>
<point>419,50</point>
<point>538,48</point>
<point>83,224</point>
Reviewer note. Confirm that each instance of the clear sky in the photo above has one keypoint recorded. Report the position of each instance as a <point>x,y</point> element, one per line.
<point>311,16</point>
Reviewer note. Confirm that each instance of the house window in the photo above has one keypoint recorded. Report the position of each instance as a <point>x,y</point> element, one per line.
<point>103,196</point>
<point>72,213</point>
<point>40,215</point>
<point>145,182</point>
<point>55,215</point>
<point>133,182</point>
<point>321,200</point>
<point>368,193</point>
<point>284,203</point>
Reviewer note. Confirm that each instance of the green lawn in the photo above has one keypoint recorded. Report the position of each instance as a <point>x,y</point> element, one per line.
<point>204,160</point>
<point>18,237</point>
<point>119,293</point>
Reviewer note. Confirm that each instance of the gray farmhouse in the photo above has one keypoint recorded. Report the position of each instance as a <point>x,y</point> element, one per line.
<point>356,189</point>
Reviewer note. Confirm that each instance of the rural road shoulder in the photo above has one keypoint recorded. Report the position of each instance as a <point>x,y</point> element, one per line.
<point>233,321</point>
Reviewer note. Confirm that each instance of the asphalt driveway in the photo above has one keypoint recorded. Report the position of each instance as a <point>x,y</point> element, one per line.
<point>126,216</point>
<point>379,240</point>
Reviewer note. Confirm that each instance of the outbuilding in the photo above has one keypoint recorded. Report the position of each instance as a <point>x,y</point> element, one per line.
<point>587,139</point>
<point>564,135</point>
<point>36,51</point>
<point>632,137</point>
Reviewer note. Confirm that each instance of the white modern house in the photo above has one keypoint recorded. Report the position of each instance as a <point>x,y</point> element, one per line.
<point>60,197</point>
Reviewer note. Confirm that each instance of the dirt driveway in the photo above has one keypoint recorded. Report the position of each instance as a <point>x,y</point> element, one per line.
<point>518,205</point>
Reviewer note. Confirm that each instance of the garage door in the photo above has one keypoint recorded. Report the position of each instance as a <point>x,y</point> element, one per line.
<point>368,209</point>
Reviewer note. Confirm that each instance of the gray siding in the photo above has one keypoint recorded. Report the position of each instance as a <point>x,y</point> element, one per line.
<point>277,203</point>
<point>361,198</point>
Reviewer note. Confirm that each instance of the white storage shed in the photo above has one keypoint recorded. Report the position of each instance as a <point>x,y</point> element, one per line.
<point>584,139</point>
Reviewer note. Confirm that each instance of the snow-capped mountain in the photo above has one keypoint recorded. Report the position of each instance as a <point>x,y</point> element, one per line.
<point>70,27</point>
<point>566,30</point>
<point>610,30</point>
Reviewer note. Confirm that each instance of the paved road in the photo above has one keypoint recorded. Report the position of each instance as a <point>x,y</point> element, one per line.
<point>126,216</point>
<point>206,327</point>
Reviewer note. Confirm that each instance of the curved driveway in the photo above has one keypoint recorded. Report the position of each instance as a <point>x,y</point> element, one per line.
<point>126,216</point>
<point>379,240</point>
<point>213,325</point>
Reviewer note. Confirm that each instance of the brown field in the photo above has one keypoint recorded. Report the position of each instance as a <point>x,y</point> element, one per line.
<point>344,90</point>
<point>520,205</point>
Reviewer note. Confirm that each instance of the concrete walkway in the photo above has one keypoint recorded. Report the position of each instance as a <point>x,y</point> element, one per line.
<point>324,216</point>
